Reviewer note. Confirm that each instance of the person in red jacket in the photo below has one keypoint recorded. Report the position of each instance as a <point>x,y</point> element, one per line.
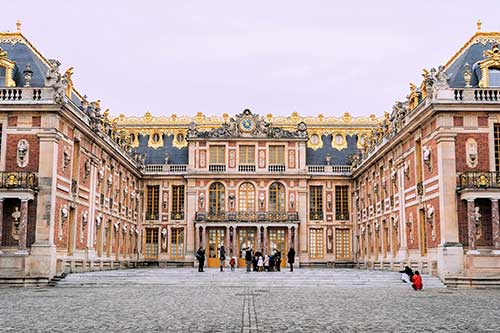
<point>416,281</point>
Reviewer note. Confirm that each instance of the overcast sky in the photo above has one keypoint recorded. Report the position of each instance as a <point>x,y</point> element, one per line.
<point>275,57</point>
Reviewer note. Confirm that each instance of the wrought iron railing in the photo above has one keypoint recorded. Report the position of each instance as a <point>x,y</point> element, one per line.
<point>177,215</point>
<point>18,179</point>
<point>152,215</point>
<point>247,217</point>
<point>478,179</point>
<point>315,215</point>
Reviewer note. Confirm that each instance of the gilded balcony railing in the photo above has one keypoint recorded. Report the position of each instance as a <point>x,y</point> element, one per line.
<point>292,217</point>
<point>18,179</point>
<point>177,215</point>
<point>478,179</point>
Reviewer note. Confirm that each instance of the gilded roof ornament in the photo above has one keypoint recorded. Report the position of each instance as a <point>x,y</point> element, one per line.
<point>18,25</point>
<point>3,54</point>
<point>478,25</point>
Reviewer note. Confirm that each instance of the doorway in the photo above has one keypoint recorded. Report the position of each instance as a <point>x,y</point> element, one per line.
<point>278,241</point>
<point>246,238</point>
<point>216,238</point>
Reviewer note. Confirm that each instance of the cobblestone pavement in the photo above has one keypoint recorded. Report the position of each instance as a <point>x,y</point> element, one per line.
<point>183,300</point>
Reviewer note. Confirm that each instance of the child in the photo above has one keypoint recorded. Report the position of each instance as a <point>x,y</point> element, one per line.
<point>232,263</point>
<point>417,281</point>
<point>266,263</point>
<point>260,264</point>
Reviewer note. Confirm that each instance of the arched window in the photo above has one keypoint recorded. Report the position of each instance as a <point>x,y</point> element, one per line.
<point>216,199</point>
<point>277,197</point>
<point>246,196</point>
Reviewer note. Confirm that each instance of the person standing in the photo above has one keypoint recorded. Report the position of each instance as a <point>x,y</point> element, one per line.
<point>278,261</point>
<point>200,256</point>
<point>266,263</point>
<point>222,257</point>
<point>260,264</point>
<point>248,258</point>
<point>291,258</point>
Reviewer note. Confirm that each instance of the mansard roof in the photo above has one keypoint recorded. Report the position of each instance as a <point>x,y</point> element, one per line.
<point>471,53</point>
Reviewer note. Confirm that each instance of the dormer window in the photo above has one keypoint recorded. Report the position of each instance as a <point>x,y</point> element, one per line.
<point>490,68</point>
<point>6,70</point>
<point>494,77</point>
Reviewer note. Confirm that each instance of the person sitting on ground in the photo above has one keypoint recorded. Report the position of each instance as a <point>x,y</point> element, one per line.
<point>266,263</point>
<point>417,281</point>
<point>260,264</point>
<point>406,274</point>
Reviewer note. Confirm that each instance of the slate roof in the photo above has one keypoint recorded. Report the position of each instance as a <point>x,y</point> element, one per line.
<point>23,55</point>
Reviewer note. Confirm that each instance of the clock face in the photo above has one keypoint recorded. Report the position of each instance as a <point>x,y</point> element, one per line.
<point>247,125</point>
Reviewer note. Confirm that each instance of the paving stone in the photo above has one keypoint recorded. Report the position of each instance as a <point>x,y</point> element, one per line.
<point>307,300</point>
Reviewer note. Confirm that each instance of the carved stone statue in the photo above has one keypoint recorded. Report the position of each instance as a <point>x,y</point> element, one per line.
<point>467,75</point>
<point>192,131</point>
<point>427,156</point>
<point>22,153</point>
<point>16,215</point>
<point>55,80</point>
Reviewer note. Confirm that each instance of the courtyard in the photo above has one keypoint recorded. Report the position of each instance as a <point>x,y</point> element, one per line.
<point>307,300</point>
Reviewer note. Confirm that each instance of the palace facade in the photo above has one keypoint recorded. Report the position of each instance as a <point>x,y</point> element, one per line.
<point>81,190</point>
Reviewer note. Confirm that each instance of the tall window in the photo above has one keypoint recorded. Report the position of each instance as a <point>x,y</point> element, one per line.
<point>217,154</point>
<point>151,244</point>
<point>178,202</point>
<point>316,202</point>
<point>153,200</point>
<point>2,76</point>
<point>342,202</point>
<point>177,242</point>
<point>247,198</point>
<point>316,243</point>
<point>277,155</point>
<point>342,244</point>
<point>277,197</point>
<point>247,154</point>
<point>497,146</point>
<point>216,199</point>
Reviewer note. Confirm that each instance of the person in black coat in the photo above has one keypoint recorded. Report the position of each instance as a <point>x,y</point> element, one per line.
<point>248,258</point>
<point>291,258</point>
<point>406,274</point>
<point>200,256</point>
<point>222,257</point>
<point>278,261</point>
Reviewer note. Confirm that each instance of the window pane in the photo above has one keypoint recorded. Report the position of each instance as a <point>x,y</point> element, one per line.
<point>494,77</point>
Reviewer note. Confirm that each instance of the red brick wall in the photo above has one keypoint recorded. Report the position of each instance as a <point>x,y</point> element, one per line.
<point>34,147</point>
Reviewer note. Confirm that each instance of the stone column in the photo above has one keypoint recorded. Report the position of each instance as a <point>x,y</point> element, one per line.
<point>289,240</point>
<point>228,243</point>
<point>471,224</point>
<point>190,217</point>
<point>202,240</point>
<point>302,210</point>
<point>450,259</point>
<point>23,228</point>
<point>265,241</point>
<point>1,223</point>
<point>495,226</point>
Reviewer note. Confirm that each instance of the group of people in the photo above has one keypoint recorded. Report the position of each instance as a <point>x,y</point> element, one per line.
<point>408,276</point>
<point>256,261</point>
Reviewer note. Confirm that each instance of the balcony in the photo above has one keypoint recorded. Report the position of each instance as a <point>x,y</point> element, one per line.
<point>276,168</point>
<point>17,95</point>
<point>152,215</point>
<point>18,180</point>
<point>336,170</point>
<point>177,216</point>
<point>217,168</point>
<point>342,216</point>
<point>165,169</point>
<point>315,216</point>
<point>285,217</point>
<point>478,180</point>
<point>246,168</point>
